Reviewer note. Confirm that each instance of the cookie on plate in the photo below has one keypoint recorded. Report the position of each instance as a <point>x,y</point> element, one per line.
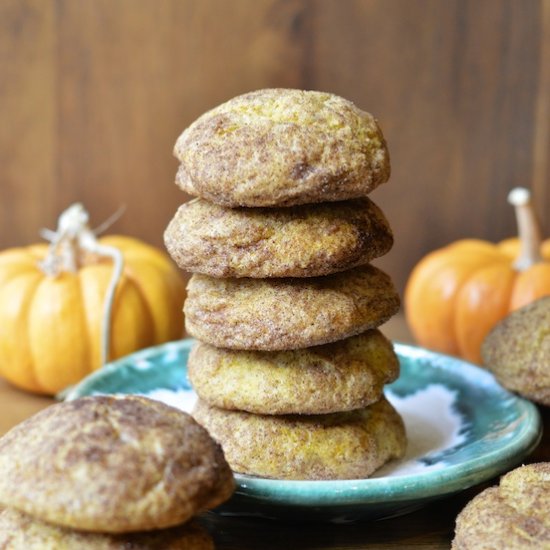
<point>345,375</point>
<point>302,241</point>
<point>282,147</point>
<point>286,314</point>
<point>112,465</point>
<point>19,531</point>
<point>345,445</point>
<point>513,515</point>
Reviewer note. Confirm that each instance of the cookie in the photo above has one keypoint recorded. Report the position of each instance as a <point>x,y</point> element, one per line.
<point>21,532</point>
<point>301,241</point>
<point>112,465</point>
<point>282,147</point>
<point>344,445</point>
<point>517,351</point>
<point>287,314</point>
<point>512,516</point>
<point>342,376</point>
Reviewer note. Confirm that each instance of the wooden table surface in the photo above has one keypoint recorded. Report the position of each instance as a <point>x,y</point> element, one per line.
<point>428,528</point>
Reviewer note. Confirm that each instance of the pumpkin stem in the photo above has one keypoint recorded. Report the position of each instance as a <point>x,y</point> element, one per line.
<point>69,246</point>
<point>528,229</point>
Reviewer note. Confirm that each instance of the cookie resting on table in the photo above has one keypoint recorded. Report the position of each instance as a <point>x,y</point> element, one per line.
<point>112,465</point>
<point>21,532</point>
<point>513,515</point>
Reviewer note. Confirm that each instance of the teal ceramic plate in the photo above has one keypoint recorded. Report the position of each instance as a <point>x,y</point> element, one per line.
<point>463,428</point>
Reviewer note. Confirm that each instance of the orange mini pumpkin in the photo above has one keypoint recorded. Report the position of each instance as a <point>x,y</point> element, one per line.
<point>68,308</point>
<point>455,295</point>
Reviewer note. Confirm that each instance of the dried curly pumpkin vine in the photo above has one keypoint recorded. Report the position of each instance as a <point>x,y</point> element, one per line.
<point>70,245</point>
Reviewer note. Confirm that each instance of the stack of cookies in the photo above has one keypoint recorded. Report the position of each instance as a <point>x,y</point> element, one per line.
<point>289,366</point>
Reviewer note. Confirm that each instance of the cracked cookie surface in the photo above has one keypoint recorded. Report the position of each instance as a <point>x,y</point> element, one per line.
<point>345,445</point>
<point>300,241</point>
<point>287,314</point>
<point>513,515</point>
<point>113,465</point>
<point>282,147</point>
<point>345,375</point>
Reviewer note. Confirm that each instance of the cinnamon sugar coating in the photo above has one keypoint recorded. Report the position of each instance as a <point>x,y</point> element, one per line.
<point>345,445</point>
<point>345,375</point>
<point>513,515</point>
<point>301,241</point>
<point>112,465</point>
<point>282,147</point>
<point>287,314</point>
<point>19,531</point>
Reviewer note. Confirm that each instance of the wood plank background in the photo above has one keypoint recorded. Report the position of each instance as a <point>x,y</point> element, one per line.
<point>93,94</point>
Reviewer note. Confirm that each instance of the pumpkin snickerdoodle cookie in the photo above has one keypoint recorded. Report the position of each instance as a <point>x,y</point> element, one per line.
<point>112,465</point>
<point>343,445</point>
<point>345,375</point>
<point>517,351</point>
<point>19,531</point>
<point>282,147</point>
<point>301,241</point>
<point>285,314</point>
<point>513,515</point>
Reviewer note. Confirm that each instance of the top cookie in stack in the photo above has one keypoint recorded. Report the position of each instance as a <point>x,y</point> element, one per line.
<point>281,147</point>
<point>283,295</point>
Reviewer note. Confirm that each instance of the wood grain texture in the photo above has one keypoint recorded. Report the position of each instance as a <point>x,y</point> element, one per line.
<point>94,93</point>
<point>541,134</point>
<point>28,114</point>
<point>455,87</point>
